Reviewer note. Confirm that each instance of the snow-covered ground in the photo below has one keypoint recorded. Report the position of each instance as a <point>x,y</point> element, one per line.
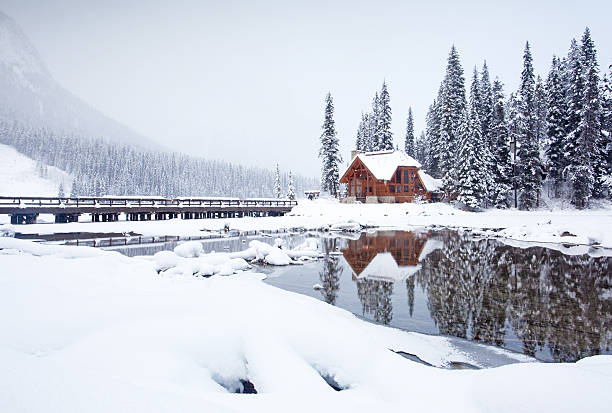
<point>91,330</point>
<point>19,176</point>
<point>563,226</point>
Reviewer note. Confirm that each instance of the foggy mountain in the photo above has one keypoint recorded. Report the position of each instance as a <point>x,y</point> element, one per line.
<point>32,97</point>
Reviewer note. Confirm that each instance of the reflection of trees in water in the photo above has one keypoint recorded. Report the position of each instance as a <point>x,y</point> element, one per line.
<point>331,271</point>
<point>410,288</point>
<point>375,297</point>
<point>551,300</point>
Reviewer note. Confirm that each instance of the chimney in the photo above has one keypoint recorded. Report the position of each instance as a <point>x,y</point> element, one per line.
<point>354,153</point>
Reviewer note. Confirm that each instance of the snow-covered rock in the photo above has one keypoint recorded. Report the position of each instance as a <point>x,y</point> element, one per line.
<point>189,249</point>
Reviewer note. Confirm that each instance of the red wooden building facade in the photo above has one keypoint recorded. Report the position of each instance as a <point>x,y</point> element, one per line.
<point>387,176</point>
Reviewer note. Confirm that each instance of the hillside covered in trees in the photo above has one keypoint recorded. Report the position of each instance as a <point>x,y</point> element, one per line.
<point>101,167</point>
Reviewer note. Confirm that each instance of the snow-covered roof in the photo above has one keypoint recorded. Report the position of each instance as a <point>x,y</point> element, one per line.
<point>383,164</point>
<point>384,267</point>
<point>431,184</point>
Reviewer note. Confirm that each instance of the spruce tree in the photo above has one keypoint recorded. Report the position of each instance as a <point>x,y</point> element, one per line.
<point>376,125</point>
<point>541,105</point>
<point>329,151</point>
<point>409,145</point>
<point>291,188</point>
<point>452,114</point>
<point>360,143</point>
<point>432,132</point>
<point>471,172</point>
<point>500,147</point>
<point>385,134</point>
<point>277,183</point>
<point>421,150</point>
<point>60,191</point>
<point>487,103</point>
<point>555,126</point>
<point>528,162</point>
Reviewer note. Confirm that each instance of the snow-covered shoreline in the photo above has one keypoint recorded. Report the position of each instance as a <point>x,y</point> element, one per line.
<point>90,330</point>
<point>557,226</point>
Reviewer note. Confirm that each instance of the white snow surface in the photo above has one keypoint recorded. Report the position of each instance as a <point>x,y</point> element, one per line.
<point>92,330</point>
<point>19,177</point>
<point>384,163</point>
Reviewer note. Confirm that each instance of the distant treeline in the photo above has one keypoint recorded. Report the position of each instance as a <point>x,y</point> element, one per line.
<point>100,167</point>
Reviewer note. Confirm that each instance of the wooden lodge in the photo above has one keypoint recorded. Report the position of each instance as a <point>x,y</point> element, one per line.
<point>388,176</point>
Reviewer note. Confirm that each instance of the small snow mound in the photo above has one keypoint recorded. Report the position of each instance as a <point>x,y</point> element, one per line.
<point>7,230</point>
<point>165,260</point>
<point>189,249</point>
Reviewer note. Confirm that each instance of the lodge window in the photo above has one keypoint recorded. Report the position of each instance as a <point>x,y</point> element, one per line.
<point>399,188</point>
<point>370,189</point>
<point>398,176</point>
<point>406,188</point>
<point>405,176</point>
<point>392,188</point>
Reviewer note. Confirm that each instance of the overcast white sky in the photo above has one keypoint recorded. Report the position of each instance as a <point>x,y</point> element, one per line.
<point>246,80</point>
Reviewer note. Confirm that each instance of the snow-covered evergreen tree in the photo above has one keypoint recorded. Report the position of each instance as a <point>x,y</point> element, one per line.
<point>277,183</point>
<point>329,151</point>
<point>541,106</point>
<point>555,126</point>
<point>385,134</point>
<point>500,148</point>
<point>471,168</point>
<point>375,125</point>
<point>60,190</point>
<point>422,150</point>
<point>361,135</point>
<point>409,145</point>
<point>432,132</point>
<point>452,113</point>
<point>529,168</point>
<point>290,188</point>
<point>486,103</point>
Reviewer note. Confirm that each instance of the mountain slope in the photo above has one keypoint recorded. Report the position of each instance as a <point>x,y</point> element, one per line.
<point>31,96</point>
<point>20,175</point>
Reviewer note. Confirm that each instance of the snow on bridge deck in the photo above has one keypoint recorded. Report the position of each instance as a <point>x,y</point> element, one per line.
<point>107,208</point>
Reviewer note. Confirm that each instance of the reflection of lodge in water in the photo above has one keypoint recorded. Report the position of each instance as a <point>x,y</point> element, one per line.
<point>386,255</point>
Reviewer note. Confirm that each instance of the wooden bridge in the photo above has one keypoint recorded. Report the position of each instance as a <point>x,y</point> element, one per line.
<point>25,210</point>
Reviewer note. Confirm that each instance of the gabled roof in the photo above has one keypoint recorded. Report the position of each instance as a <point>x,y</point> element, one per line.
<point>431,184</point>
<point>383,164</point>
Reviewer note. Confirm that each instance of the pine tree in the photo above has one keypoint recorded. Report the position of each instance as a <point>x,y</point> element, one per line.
<point>362,137</point>
<point>432,132</point>
<point>452,113</point>
<point>500,147</point>
<point>385,134</point>
<point>487,103</point>
<point>471,170</point>
<point>375,125</point>
<point>329,151</point>
<point>277,183</point>
<point>409,146</point>
<point>606,123</point>
<point>555,126</point>
<point>541,106</point>
<point>60,191</point>
<point>422,149</point>
<point>528,163</point>
<point>290,188</point>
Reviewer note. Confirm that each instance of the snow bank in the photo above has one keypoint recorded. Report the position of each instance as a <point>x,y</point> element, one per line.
<point>7,230</point>
<point>102,332</point>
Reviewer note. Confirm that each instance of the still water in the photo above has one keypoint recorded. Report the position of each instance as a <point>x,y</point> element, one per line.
<point>536,301</point>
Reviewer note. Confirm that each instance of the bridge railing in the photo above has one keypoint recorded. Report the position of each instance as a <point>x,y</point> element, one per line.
<point>101,202</point>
